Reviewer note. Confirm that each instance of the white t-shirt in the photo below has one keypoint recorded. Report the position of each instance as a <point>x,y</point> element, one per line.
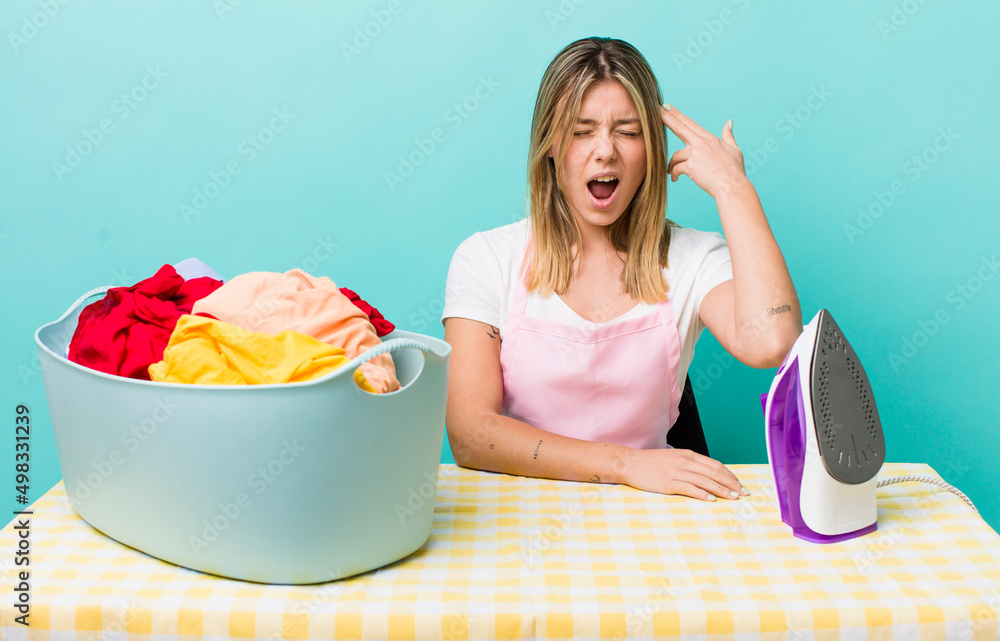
<point>481,281</point>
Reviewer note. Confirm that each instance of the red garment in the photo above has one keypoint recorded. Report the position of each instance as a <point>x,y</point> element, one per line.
<point>382,326</point>
<point>127,330</point>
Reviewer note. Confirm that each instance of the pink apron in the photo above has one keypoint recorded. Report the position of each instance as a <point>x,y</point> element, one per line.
<point>613,383</point>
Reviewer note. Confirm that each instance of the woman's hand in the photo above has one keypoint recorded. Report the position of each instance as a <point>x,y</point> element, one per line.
<point>673,471</point>
<point>715,165</point>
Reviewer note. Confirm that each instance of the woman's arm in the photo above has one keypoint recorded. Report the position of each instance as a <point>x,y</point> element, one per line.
<point>482,438</point>
<point>756,316</point>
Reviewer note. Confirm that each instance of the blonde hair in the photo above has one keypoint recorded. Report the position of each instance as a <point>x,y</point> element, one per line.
<point>642,231</point>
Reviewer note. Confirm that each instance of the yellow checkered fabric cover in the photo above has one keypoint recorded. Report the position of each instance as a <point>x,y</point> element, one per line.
<point>511,557</point>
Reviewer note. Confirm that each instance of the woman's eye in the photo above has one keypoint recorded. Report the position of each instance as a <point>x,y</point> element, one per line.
<point>628,134</point>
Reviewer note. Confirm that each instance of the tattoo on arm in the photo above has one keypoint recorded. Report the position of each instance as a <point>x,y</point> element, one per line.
<point>595,478</point>
<point>536,449</point>
<point>771,311</point>
<point>494,332</point>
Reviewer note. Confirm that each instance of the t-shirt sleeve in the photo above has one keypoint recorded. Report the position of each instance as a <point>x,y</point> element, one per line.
<point>474,286</point>
<point>715,268</point>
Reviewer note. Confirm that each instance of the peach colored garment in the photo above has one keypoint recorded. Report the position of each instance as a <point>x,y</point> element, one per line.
<point>205,351</point>
<point>270,302</point>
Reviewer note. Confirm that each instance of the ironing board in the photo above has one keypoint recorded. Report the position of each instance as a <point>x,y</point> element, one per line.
<point>511,557</point>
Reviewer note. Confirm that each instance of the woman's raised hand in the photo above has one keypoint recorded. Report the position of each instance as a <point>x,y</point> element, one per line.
<point>673,471</point>
<point>714,164</point>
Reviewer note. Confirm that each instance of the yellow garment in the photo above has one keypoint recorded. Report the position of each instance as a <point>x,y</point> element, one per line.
<point>205,351</point>
<point>271,302</point>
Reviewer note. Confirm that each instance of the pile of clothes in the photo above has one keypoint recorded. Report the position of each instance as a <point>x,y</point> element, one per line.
<point>185,324</point>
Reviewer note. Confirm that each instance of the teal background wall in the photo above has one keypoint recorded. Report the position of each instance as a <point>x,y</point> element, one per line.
<point>253,136</point>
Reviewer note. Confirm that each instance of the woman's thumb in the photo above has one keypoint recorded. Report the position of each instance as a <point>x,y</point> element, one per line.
<point>727,133</point>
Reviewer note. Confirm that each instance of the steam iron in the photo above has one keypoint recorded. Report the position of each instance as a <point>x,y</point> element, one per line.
<point>824,437</point>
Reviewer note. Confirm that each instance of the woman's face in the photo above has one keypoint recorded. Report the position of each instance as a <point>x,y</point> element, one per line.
<point>607,141</point>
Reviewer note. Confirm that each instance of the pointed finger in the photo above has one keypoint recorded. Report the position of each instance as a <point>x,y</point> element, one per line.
<point>691,125</point>
<point>678,126</point>
<point>695,127</point>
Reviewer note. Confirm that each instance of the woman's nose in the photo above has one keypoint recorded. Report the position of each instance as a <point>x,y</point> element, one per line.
<point>604,145</point>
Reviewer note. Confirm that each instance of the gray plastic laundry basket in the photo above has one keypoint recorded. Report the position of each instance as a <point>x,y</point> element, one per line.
<point>292,483</point>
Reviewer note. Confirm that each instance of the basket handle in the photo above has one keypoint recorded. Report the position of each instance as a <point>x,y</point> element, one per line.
<point>83,299</point>
<point>388,346</point>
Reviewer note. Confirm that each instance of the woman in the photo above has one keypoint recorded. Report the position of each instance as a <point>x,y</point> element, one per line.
<point>572,330</point>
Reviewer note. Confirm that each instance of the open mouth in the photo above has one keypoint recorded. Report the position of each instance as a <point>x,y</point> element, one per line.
<point>602,193</point>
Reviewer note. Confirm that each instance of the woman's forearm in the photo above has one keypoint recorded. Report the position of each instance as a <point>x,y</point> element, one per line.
<point>766,308</point>
<point>498,443</point>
